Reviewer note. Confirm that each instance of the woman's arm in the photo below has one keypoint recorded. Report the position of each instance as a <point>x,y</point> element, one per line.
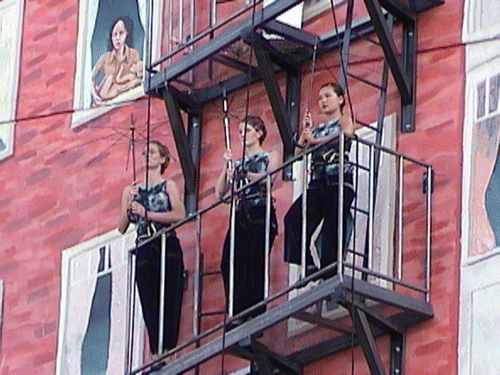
<point>127,197</point>
<point>222,184</point>
<point>95,70</point>
<point>346,124</point>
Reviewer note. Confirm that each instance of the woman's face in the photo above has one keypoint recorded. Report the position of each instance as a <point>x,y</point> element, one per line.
<point>252,136</point>
<point>155,159</point>
<point>119,34</point>
<point>328,100</point>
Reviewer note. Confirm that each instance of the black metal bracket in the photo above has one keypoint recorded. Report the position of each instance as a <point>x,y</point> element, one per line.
<point>425,181</point>
<point>184,145</point>
<point>367,341</point>
<point>274,93</point>
<point>397,352</point>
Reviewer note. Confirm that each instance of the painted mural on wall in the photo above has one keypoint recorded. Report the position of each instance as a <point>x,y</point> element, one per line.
<point>110,55</point>
<point>482,123</point>
<point>120,68</point>
<point>485,189</point>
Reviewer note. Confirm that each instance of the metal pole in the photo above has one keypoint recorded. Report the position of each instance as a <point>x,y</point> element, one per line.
<point>400,219</point>
<point>428,235</point>
<point>197,279</point>
<point>305,174</point>
<point>181,21</point>
<point>371,207</point>
<point>129,316</point>
<point>340,226</point>
<point>268,236</point>
<point>232,231</point>
<point>161,314</point>
<point>170,28</point>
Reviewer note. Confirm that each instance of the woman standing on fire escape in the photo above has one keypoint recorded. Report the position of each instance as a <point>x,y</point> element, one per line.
<point>153,206</point>
<point>323,187</point>
<point>249,243</point>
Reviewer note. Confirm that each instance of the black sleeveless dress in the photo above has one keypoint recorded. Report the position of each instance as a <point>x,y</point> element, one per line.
<point>322,204</point>
<point>249,244</point>
<point>148,269</point>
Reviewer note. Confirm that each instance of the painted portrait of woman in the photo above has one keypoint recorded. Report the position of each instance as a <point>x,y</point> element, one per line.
<point>121,68</point>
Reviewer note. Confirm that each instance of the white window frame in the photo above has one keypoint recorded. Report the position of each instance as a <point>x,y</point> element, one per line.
<point>12,25</point>
<point>475,16</point>
<point>79,265</point>
<point>83,112</point>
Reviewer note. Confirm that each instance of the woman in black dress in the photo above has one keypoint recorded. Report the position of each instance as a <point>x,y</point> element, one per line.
<point>249,251</point>
<point>151,206</point>
<point>323,187</point>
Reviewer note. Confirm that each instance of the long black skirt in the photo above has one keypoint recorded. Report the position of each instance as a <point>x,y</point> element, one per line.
<point>249,257</point>
<point>322,204</point>
<point>148,268</point>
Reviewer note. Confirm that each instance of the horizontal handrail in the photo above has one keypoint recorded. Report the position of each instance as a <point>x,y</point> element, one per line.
<point>323,271</point>
<point>285,164</point>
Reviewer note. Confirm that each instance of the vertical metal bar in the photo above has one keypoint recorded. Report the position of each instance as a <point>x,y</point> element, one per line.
<point>213,19</point>
<point>170,28</point>
<point>268,236</point>
<point>340,226</point>
<point>130,318</point>
<point>197,279</point>
<point>428,235</point>
<point>181,21</point>
<point>232,232</point>
<point>371,207</point>
<point>305,174</point>
<point>400,219</point>
<point>128,329</point>
<point>191,33</point>
<point>163,270</point>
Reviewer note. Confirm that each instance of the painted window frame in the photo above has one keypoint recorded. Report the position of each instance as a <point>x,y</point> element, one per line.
<point>474,28</point>
<point>82,253</point>
<point>481,73</point>
<point>82,110</point>
<point>11,24</point>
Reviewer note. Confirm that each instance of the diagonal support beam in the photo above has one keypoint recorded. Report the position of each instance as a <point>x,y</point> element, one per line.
<point>367,341</point>
<point>275,360</point>
<point>403,82</point>
<point>181,141</point>
<point>274,93</point>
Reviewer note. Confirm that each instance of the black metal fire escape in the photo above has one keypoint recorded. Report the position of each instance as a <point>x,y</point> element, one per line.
<point>166,82</point>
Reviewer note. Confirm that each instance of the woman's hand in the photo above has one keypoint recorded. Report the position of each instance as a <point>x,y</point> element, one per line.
<point>138,209</point>
<point>307,120</point>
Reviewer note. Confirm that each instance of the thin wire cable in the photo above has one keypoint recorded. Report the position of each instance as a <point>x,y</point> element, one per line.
<point>343,67</point>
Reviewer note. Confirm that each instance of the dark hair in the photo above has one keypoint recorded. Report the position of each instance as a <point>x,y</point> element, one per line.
<point>256,123</point>
<point>129,26</point>
<point>337,89</point>
<point>163,150</point>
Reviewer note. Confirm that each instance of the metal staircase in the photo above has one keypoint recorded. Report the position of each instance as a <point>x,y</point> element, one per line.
<point>369,309</point>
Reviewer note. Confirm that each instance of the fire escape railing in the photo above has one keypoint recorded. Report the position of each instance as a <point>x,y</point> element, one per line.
<point>406,276</point>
